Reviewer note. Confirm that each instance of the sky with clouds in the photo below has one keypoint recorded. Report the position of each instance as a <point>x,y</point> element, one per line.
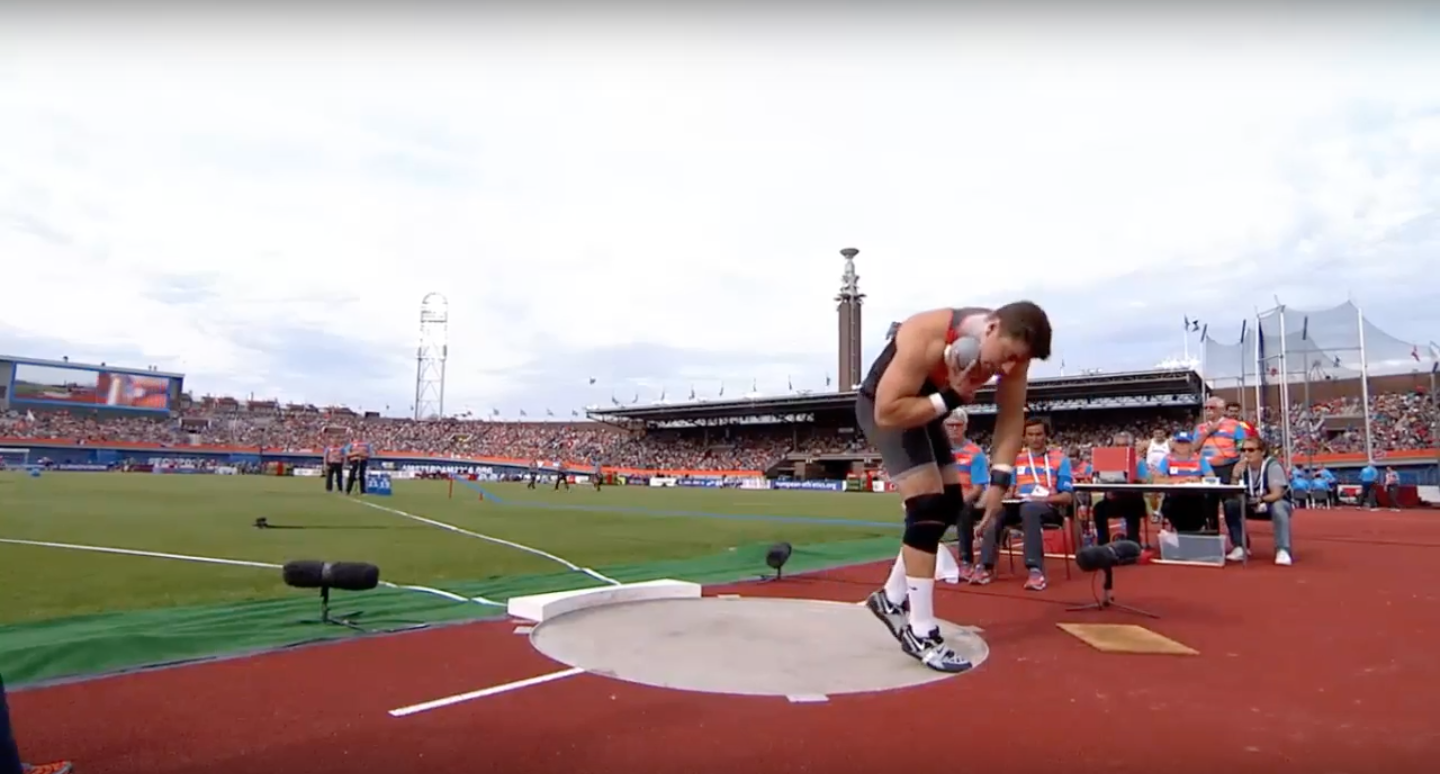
<point>659,201</point>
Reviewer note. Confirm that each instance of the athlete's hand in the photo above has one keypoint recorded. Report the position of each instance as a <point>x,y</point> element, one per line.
<point>993,503</point>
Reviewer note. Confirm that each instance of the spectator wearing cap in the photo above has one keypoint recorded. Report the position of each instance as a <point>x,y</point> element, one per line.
<point>1186,511</point>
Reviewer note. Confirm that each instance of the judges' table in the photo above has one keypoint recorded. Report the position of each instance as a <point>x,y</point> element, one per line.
<point>1168,488</point>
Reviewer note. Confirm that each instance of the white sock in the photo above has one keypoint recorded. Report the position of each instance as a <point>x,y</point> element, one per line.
<point>922,605</point>
<point>895,587</point>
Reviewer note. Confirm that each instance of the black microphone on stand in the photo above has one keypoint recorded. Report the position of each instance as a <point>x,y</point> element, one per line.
<point>1114,554</point>
<point>1105,559</point>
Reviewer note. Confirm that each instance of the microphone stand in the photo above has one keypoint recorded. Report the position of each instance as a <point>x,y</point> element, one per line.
<point>1107,600</point>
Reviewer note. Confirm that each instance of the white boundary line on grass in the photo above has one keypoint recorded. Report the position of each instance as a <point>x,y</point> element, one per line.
<point>231,563</point>
<point>488,538</point>
<point>483,692</point>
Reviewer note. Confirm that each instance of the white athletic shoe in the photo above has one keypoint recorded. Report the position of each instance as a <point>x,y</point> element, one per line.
<point>1237,554</point>
<point>1282,558</point>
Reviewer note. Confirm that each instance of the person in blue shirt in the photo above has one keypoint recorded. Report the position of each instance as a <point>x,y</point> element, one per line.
<point>1300,487</point>
<point>1369,477</point>
<point>1320,490</point>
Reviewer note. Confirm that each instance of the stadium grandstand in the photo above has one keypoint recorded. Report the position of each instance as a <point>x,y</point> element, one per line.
<point>1315,382</point>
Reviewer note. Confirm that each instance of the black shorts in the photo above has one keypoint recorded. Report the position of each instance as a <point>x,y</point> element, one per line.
<point>902,450</point>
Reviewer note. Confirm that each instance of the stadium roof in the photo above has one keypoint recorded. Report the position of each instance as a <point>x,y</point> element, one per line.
<point>89,366</point>
<point>1133,384</point>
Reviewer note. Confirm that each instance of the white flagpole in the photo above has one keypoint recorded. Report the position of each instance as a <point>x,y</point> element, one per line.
<point>1365,385</point>
<point>1259,374</point>
<point>1287,440</point>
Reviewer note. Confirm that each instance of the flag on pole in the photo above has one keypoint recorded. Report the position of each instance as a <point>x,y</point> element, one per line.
<point>1305,329</point>
<point>1204,332</point>
<point>789,385</point>
<point>592,380</point>
<point>1415,353</point>
<point>692,392</point>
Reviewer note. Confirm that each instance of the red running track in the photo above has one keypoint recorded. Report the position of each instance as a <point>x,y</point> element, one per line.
<point>1326,666</point>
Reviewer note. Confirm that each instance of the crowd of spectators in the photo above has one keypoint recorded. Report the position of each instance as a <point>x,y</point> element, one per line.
<point>1398,421</point>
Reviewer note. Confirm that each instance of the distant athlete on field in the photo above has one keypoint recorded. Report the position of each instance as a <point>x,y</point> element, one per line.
<point>936,362</point>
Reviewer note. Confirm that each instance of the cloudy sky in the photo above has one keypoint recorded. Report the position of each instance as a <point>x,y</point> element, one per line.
<point>658,202</point>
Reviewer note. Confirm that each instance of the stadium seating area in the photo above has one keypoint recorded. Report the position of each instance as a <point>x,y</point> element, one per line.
<point>1402,421</point>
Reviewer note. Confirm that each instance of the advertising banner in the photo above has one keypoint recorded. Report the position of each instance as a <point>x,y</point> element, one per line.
<point>811,486</point>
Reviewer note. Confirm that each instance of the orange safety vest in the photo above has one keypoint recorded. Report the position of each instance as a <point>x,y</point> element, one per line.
<point>1185,467</point>
<point>1219,448</point>
<point>1045,470</point>
<point>964,458</point>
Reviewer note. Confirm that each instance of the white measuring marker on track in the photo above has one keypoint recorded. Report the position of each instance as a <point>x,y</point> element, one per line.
<point>460,698</point>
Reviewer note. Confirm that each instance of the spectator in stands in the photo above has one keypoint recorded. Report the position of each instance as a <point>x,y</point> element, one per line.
<point>1044,482</point>
<point>1267,496</point>
<point>1129,506</point>
<point>10,762</point>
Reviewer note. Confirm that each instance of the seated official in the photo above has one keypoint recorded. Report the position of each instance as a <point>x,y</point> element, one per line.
<point>1320,494</point>
<point>1186,512</point>
<point>1300,487</point>
<point>973,467</point>
<point>1044,481</point>
<point>1267,496</point>
<point>1129,506</point>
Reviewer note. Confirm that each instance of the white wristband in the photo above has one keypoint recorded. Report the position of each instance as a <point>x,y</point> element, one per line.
<point>938,401</point>
<point>1003,468</point>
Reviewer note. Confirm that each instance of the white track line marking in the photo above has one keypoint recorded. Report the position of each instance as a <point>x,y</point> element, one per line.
<point>511,544</point>
<point>228,562</point>
<point>482,693</point>
<point>808,698</point>
<point>524,629</point>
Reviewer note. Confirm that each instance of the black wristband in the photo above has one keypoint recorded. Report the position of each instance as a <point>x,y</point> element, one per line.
<point>1001,478</point>
<point>952,399</point>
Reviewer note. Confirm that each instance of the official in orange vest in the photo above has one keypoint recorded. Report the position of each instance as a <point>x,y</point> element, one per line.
<point>973,468</point>
<point>1043,479</point>
<point>334,469</point>
<point>1219,437</point>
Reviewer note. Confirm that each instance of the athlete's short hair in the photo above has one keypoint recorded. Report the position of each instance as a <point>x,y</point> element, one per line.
<point>1026,322</point>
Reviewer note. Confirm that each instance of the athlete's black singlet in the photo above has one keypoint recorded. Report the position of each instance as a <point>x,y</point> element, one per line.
<point>936,380</point>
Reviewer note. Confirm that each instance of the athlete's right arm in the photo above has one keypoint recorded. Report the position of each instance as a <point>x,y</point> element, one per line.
<point>897,405</point>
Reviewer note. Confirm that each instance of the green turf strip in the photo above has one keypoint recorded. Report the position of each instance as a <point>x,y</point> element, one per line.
<point>84,645</point>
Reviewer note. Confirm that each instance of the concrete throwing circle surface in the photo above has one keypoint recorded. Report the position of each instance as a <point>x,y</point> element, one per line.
<point>751,646</point>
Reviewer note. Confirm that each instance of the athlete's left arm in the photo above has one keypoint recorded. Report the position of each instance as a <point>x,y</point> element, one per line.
<point>1206,469</point>
<point>1064,493</point>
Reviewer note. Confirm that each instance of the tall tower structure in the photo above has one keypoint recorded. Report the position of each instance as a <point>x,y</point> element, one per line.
<point>430,357</point>
<point>850,298</point>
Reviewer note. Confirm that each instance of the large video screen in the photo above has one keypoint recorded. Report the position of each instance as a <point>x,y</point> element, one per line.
<point>87,387</point>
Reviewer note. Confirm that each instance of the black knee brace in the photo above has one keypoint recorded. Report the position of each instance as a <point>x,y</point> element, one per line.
<point>955,501</point>
<point>927,517</point>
